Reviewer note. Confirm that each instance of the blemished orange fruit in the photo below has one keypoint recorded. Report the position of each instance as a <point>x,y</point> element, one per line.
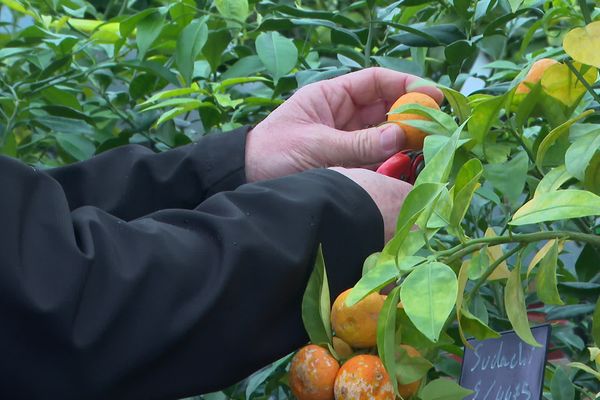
<point>363,377</point>
<point>413,137</point>
<point>410,389</point>
<point>342,348</point>
<point>535,74</point>
<point>312,373</point>
<point>357,325</point>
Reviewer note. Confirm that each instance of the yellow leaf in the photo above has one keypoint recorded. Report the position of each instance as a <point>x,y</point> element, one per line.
<point>542,252</point>
<point>18,7</point>
<point>494,253</point>
<point>582,44</point>
<point>561,83</point>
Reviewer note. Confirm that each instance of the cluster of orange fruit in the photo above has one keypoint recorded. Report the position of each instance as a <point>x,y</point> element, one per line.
<point>316,375</point>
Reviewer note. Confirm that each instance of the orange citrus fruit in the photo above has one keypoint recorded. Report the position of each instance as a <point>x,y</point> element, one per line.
<point>342,348</point>
<point>535,74</point>
<point>413,137</point>
<point>363,377</point>
<point>357,325</point>
<point>410,389</point>
<point>312,373</point>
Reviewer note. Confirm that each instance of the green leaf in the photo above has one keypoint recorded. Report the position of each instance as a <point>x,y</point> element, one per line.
<point>485,114</point>
<point>148,30</point>
<point>596,324</point>
<point>445,121</point>
<point>561,386</point>
<point>386,334</point>
<point>379,276</point>
<point>516,169</point>
<point>437,169</point>
<point>514,300</point>
<point>479,263</point>
<point>585,368</point>
<point>168,94</point>
<point>562,84</point>
<point>234,9</point>
<point>428,295</point>
<point>410,368</point>
<point>467,181</point>
<point>553,180</point>
<point>555,135</point>
<point>591,180</point>
<point>458,102</point>
<point>261,376</point>
<point>215,45</point>
<point>189,45</point>
<point>419,199</point>
<point>580,153</point>
<point>570,311</point>
<point>582,44</point>
<point>316,305</point>
<point>558,205</point>
<point>476,327</point>
<point>77,146</point>
<point>278,54</point>
<point>444,389</point>
<point>540,255</point>
<point>546,280</point>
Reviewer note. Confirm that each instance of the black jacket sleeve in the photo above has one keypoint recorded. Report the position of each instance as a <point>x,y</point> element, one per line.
<point>174,303</point>
<point>132,181</point>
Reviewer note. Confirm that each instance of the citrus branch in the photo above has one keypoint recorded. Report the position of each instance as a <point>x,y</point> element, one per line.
<point>461,250</point>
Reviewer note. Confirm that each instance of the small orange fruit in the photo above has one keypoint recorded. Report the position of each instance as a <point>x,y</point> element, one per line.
<point>410,389</point>
<point>312,373</point>
<point>357,325</point>
<point>535,74</point>
<point>363,377</point>
<point>413,137</point>
<point>342,348</point>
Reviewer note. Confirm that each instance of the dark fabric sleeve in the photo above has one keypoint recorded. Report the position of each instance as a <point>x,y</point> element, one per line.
<point>132,181</point>
<point>175,303</point>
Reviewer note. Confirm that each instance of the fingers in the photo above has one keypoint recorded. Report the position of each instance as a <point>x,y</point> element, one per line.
<point>368,85</point>
<point>365,147</point>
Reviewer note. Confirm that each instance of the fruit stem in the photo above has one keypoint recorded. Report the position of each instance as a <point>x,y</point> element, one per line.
<point>583,81</point>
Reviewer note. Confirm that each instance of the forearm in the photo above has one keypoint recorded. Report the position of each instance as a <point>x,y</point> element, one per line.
<point>133,181</point>
<point>174,303</point>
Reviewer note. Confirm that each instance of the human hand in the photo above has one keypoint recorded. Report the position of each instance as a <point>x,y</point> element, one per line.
<point>329,123</point>
<point>387,193</point>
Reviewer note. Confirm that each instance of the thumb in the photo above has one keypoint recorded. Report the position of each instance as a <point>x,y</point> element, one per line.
<point>369,146</point>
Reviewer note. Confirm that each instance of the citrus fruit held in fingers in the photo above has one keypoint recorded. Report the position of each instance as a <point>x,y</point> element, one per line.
<point>357,325</point>
<point>535,74</point>
<point>413,137</point>
<point>410,389</point>
<point>312,373</point>
<point>363,377</point>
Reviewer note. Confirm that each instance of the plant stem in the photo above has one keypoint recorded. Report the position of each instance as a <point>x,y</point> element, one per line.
<point>585,11</point>
<point>528,151</point>
<point>369,44</point>
<point>461,250</point>
<point>582,80</point>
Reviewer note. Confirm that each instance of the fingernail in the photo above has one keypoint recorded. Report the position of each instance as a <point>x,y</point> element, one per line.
<point>390,138</point>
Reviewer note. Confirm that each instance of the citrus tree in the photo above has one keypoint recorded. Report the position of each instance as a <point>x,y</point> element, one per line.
<point>501,230</point>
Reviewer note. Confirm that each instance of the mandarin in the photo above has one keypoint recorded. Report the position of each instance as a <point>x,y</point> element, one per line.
<point>413,137</point>
<point>312,373</point>
<point>363,377</point>
<point>357,325</point>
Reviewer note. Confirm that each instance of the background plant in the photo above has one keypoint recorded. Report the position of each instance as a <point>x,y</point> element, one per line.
<point>508,204</point>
